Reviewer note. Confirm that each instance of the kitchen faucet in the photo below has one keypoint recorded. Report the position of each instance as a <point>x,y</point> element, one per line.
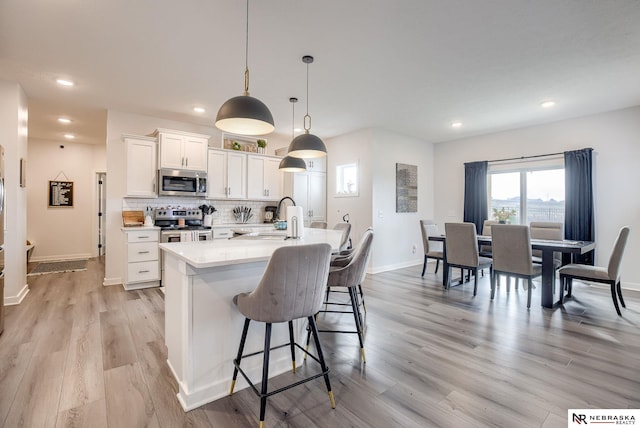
<point>280,203</point>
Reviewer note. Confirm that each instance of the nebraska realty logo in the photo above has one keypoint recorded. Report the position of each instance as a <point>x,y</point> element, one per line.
<point>581,417</point>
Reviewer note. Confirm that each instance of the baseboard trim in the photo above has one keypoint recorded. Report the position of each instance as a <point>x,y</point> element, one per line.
<point>60,258</point>
<point>16,300</point>
<point>111,281</point>
<point>386,268</point>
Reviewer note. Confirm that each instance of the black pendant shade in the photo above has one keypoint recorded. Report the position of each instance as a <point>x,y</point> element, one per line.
<point>245,115</point>
<point>291,164</point>
<point>307,146</point>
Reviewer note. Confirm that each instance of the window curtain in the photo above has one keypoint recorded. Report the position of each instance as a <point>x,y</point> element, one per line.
<point>475,193</point>
<point>578,211</point>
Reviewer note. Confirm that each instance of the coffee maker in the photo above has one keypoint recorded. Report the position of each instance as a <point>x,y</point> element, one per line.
<point>270,213</point>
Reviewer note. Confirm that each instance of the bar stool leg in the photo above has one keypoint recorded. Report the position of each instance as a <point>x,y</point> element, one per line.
<point>292,345</point>
<point>356,316</point>
<point>364,307</point>
<point>313,328</point>
<point>265,373</point>
<point>239,356</point>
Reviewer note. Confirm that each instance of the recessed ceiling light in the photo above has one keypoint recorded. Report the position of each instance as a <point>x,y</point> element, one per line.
<point>64,82</point>
<point>69,136</point>
<point>547,104</point>
<point>64,120</point>
<point>456,124</point>
<point>199,110</point>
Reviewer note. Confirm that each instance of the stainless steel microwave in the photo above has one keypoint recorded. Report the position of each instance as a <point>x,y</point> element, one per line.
<point>179,182</point>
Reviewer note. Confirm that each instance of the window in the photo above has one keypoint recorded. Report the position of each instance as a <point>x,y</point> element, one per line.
<point>532,194</point>
<point>347,180</point>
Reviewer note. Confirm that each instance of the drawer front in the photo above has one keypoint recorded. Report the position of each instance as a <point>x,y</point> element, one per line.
<point>142,251</point>
<point>222,233</point>
<point>142,236</point>
<point>143,271</point>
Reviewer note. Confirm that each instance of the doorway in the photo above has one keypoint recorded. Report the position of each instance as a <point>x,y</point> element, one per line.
<point>101,183</point>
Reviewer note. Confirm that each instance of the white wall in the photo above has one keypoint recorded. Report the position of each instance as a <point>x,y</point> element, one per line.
<point>377,152</point>
<point>13,136</point>
<point>615,138</point>
<point>63,233</point>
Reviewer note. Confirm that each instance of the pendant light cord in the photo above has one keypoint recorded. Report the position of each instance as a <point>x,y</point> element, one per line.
<point>293,117</point>
<point>306,116</point>
<point>246,55</point>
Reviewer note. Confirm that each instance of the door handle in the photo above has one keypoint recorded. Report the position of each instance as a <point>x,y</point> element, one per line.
<point>143,252</point>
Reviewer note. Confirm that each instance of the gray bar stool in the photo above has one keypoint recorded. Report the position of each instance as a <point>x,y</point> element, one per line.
<point>291,287</point>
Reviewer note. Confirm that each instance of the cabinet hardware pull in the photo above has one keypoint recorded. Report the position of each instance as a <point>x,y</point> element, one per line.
<point>186,162</point>
<point>143,271</point>
<point>143,237</point>
<point>143,252</point>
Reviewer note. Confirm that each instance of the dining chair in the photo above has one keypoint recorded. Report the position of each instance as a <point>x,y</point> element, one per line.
<point>607,275</point>
<point>485,250</point>
<point>291,287</point>
<point>349,277</point>
<point>550,231</point>
<point>512,256</point>
<point>432,250</point>
<point>346,231</point>
<point>462,250</point>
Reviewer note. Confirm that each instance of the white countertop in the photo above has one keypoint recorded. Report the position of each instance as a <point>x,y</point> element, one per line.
<point>205,254</point>
<point>135,228</point>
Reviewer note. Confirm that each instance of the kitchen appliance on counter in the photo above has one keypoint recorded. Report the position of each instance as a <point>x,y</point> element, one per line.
<point>179,182</point>
<point>270,213</point>
<point>1,239</point>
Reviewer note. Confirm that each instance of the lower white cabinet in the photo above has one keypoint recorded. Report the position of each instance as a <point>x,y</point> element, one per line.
<point>143,261</point>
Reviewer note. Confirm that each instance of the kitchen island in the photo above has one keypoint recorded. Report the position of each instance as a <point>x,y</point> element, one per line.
<point>203,326</point>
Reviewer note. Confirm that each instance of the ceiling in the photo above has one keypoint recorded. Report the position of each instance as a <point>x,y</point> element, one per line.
<point>411,66</point>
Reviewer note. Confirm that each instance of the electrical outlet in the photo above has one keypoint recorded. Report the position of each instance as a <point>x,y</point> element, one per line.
<point>414,248</point>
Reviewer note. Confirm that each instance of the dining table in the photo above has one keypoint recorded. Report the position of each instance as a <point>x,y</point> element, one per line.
<point>547,246</point>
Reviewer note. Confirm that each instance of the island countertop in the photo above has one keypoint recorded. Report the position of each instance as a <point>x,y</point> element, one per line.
<point>257,247</point>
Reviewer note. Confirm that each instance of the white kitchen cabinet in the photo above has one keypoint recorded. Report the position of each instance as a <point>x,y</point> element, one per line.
<point>309,190</point>
<point>317,164</point>
<point>183,150</point>
<point>141,166</point>
<point>226,174</point>
<point>264,180</point>
<point>143,261</point>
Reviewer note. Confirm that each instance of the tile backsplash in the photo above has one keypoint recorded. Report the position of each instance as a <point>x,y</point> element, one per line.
<point>224,209</point>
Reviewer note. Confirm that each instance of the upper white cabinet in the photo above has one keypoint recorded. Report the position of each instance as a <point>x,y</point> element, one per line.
<point>264,180</point>
<point>182,150</point>
<point>142,166</point>
<point>226,175</point>
<point>317,164</point>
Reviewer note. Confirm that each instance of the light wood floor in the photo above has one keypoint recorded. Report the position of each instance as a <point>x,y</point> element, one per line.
<point>77,354</point>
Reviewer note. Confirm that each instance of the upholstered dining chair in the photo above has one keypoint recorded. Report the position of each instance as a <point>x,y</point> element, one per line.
<point>462,250</point>
<point>551,231</point>
<point>318,225</point>
<point>485,250</point>
<point>291,287</point>
<point>432,250</point>
<point>609,275</point>
<point>512,256</point>
<point>350,277</point>
<point>346,231</point>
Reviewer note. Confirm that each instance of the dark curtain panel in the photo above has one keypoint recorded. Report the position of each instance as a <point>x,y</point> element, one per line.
<point>475,193</point>
<point>578,209</point>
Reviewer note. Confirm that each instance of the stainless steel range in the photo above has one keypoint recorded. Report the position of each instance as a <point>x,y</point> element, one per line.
<point>181,224</point>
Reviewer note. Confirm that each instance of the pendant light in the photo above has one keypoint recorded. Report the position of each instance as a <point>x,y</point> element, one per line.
<point>307,145</point>
<point>245,114</point>
<point>288,163</point>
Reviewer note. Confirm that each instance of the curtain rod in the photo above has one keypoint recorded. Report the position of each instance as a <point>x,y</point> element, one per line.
<point>527,157</point>
<point>534,156</point>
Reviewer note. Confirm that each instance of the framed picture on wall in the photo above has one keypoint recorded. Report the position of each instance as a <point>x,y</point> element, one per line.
<point>406,188</point>
<point>60,193</point>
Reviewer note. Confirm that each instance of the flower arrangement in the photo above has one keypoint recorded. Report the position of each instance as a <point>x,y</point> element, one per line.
<point>261,143</point>
<point>503,214</point>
